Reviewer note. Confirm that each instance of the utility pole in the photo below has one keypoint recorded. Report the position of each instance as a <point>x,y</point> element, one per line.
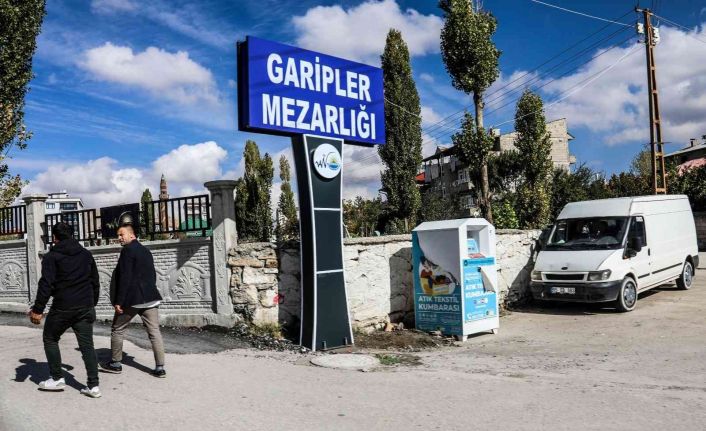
<point>659,174</point>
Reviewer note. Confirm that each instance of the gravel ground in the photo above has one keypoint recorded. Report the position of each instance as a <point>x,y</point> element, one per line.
<point>560,367</point>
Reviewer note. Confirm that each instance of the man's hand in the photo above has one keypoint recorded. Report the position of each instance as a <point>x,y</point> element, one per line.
<point>35,318</point>
<point>118,309</point>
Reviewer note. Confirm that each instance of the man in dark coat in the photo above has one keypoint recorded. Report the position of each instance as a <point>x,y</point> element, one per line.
<point>70,276</point>
<point>135,294</point>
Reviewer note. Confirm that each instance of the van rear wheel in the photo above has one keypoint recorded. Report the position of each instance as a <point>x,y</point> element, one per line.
<point>687,276</point>
<point>627,298</point>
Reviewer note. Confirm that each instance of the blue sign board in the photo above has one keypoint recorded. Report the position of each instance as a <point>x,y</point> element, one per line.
<point>287,90</point>
<point>478,303</point>
<point>437,295</point>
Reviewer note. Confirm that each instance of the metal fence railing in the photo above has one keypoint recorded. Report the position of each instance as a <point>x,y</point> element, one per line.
<point>13,220</point>
<point>161,219</point>
<point>86,224</point>
<point>190,215</point>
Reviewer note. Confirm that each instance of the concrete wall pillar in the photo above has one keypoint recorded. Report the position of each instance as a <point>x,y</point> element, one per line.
<point>224,238</point>
<point>36,205</point>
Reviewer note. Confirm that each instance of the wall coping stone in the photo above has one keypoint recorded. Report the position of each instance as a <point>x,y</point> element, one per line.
<point>370,240</point>
<point>14,243</point>
<point>149,244</point>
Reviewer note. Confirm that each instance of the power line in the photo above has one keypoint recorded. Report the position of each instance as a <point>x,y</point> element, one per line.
<point>435,126</point>
<point>538,77</point>
<point>585,83</point>
<point>688,30</point>
<point>565,73</point>
<point>581,13</point>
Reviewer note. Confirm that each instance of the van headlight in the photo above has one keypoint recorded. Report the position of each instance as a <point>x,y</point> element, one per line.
<point>599,275</point>
<point>536,276</point>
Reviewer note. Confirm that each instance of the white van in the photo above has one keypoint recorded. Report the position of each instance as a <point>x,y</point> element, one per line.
<point>612,249</point>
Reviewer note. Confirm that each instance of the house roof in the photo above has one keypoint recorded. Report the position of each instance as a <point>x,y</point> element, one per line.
<point>689,149</point>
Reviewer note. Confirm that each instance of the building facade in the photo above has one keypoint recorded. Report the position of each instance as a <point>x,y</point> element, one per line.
<point>445,175</point>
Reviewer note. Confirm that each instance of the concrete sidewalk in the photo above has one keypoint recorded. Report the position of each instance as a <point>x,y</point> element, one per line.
<point>559,367</point>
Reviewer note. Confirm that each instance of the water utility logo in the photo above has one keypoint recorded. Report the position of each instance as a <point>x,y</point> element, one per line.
<point>327,161</point>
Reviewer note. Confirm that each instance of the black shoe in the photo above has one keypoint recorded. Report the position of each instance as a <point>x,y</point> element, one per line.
<point>109,367</point>
<point>161,373</point>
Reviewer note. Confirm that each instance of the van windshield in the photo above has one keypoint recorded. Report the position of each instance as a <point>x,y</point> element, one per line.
<point>596,233</point>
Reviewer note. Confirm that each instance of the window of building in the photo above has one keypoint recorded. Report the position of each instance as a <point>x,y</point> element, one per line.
<point>463,175</point>
<point>68,206</point>
<point>467,201</point>
<point>51,205</point>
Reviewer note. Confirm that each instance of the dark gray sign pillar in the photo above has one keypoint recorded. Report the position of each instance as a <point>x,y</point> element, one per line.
<point>325,322</point>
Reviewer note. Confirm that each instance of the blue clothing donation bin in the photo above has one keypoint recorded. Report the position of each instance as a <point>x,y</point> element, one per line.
<point>455,277</point>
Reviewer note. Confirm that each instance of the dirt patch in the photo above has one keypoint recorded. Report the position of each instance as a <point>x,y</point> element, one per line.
<point>410,340</point>
<point>398,359</point>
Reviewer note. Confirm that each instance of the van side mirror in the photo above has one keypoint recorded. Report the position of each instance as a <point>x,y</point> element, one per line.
<point>635,244</point>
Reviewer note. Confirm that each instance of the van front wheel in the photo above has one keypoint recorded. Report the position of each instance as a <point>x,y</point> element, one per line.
<point>627,298</point>
<point>687,276</point>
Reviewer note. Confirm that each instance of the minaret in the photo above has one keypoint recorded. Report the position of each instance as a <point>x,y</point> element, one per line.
<point>163,196</point>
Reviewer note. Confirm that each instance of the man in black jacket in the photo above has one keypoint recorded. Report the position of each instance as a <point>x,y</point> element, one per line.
<point>70,276</point>
<point>135,294</point>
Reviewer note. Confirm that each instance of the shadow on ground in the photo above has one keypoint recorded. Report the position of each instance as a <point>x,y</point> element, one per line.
<point>580,308</point>
<point>38,371</point>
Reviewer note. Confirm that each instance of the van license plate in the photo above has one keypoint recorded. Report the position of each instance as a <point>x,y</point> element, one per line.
<point>564,290</point>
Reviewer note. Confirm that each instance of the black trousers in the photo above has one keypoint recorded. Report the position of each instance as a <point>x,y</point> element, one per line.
<point>81,321</point>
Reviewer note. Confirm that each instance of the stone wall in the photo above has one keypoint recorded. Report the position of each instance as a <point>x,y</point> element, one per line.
<point>265,278</point>
<point>14,287</point>
<point>700,220</point>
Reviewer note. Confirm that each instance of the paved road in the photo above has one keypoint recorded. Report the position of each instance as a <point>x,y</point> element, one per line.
<point>563,367</point>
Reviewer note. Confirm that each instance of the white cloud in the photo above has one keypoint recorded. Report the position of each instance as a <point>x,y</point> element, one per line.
<point>361,171</point>
<point>616,104</point>
<point>173,76</point>
<point>429,116</point>
<point>110,6</point>
<point>359,32</point>
<point>185,19</point>
<point>103,182</point>
<point>192,163</point>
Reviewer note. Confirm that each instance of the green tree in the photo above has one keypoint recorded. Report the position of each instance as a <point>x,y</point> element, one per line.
<point>690,182</point>
<point>287,222</point>
<point>504,213</point>
<point>627,184</point>
<point>147,211</point>
<point>20,24</point>
<point>362,216</point>
<point>253,194</point>
<point>504,172</point>
<point>435,207</point>
<point>473,147</point>
<point>534,149</point>
<point>402,152</point>
<point>581,185</point>
<point>471,59</point>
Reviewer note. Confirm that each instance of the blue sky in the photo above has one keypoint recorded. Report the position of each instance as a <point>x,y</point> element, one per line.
<point>126,90</point>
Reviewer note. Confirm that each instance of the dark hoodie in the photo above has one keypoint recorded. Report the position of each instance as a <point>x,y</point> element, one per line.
<point>69,274</point>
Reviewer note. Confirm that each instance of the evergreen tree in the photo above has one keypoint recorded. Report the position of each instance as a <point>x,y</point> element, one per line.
<point>402,152</point>
<point>253,193</point>
<point>473,147</point>
<point>471,59</point>
<point>20,24</point>
<point>147,212</point>
<point>287,222</point>
<point>534,149</point>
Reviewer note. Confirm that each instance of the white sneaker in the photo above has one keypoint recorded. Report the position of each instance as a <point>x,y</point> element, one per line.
<point>93,392</point>
<point>52,385</point>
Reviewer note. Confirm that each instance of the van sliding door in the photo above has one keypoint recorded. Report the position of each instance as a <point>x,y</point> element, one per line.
<point>641,264</point>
